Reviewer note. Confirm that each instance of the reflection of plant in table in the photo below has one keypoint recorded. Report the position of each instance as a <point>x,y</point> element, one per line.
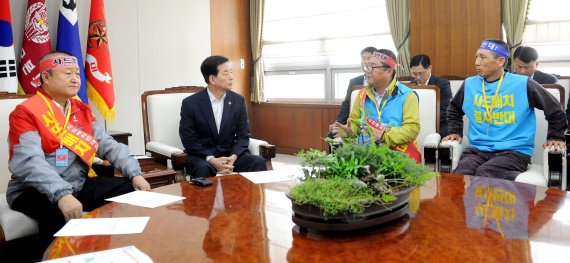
<point>354,176</point>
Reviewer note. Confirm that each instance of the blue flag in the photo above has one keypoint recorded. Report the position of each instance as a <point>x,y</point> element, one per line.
<point>68,40</point>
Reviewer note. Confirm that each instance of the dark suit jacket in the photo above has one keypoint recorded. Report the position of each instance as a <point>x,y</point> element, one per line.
<point>345,106</point>
<point>198,130</point>
<point>544,78</point>
<point>444,99</point>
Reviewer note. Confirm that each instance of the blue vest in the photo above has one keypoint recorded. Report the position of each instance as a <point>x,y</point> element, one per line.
<point>392,113</point>
<point>512,125</point>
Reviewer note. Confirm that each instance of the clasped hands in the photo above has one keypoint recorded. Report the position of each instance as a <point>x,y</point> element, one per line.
<point>345,130</point>
<point>224,165</point>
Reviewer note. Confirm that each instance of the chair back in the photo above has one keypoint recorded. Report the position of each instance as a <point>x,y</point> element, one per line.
<point>161,114</point>
<point>428,96</point>
<point>7,104</point>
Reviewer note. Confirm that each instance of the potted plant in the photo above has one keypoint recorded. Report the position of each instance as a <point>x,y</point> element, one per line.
<point>356,186</point>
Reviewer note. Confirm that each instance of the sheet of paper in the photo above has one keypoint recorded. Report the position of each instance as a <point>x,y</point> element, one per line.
<point>219,174</point>
<point>146,199</point>
<point>268,176</point>
<point>103,226</point>
<point>123,254</point>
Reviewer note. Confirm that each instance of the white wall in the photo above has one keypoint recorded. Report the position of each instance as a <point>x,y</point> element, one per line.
<point>153,45</point>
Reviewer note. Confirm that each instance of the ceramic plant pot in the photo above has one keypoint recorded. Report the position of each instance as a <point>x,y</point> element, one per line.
<point>311,216</point>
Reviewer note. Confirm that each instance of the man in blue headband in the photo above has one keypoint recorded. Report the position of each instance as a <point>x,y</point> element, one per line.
<point>500,107</point>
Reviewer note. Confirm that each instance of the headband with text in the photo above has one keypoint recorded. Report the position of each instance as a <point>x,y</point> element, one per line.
<point>385,59</point>
<point>59,62</point>
<point>495,48</point>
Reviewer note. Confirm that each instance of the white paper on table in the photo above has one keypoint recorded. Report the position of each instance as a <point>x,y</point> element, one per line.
<point>146,199</point>
<point>231,173</point>
<point>123,254</point>
<point>103,226</point>
<point>268,176</point>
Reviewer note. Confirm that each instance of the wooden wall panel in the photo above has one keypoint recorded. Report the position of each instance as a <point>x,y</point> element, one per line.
<point>450,31</point>
<point>230,38</point>
<point>292,127</point>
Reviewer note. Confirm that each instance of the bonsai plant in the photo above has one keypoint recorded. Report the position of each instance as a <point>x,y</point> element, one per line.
<point>354,177</point>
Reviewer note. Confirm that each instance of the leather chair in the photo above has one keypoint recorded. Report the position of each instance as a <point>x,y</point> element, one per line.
<point>548,166</point>
<point>13,225</point>
<point>161,119</point>
<point>428,138</point>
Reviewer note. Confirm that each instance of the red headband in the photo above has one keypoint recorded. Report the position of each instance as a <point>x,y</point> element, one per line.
<point>385,59</point>
<point>59,62</point>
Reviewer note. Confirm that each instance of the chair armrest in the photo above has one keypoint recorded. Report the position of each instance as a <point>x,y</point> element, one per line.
<point>254,146</point>
<point>554,167</point>
<point>429,155</point>
<point>264,149</point>
<point>432,140</point>
<point>449,153</point>
<point>163,149</point>
<point>259,147</point>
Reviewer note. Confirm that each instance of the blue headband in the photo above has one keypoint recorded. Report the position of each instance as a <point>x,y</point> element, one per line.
<point>495,48</point>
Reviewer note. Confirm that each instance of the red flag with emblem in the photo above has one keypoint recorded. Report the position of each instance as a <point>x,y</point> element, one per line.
<point>35,44</point>
<point>98,63</point>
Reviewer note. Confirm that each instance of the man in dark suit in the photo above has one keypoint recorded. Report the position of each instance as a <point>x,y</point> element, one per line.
<point>360,80</point>
<point>214,128</point>
<point>420,67</point>
<point>526,62</point>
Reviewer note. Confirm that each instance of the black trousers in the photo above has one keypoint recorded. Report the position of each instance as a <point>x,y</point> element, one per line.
<point>503,164</point>
<point>199,167</point>
<point>50,219</point>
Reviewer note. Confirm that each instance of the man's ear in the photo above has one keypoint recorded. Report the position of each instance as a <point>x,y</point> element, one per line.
<point>212,79</point>
<point>504,61</point>
<point>44,75</point>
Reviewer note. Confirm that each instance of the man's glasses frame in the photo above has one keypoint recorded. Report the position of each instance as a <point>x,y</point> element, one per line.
<point>371,68</point>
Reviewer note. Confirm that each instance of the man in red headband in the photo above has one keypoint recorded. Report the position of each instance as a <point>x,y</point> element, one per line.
<point>385,111</point>
<point>53,141</point>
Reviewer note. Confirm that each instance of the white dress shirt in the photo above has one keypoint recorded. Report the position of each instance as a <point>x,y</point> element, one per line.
<point>217,108</point>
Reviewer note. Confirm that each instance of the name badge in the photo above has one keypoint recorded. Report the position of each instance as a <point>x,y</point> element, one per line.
<point>62,157</point>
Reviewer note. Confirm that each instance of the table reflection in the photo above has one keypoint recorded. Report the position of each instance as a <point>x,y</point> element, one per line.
<point>499,205</point>
<point>452,218</point>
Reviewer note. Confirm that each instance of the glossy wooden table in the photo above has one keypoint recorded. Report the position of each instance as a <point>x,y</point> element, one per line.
<point>237,221</point>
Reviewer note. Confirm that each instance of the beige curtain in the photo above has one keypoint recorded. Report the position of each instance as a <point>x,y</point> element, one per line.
<point>256,8</point>
<point>514,20</point>
<point>399,20</point>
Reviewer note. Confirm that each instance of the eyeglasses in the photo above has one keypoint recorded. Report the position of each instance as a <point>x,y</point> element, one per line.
<point>418,74</point>
<point>370,68</point>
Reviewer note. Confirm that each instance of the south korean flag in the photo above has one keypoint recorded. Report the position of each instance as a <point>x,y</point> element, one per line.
<point>8,78</point>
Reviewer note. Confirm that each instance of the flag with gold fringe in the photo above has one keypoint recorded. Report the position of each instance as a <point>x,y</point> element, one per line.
<point>8,78</point>
<point>35,44</point>
<point>98,63</point>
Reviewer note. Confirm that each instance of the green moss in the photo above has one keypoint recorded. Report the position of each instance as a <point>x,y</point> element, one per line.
<point>335,196</point>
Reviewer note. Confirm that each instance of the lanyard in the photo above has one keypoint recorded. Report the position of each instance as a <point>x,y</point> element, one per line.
<point>489,109</point>
<point>67,115</point>
<point>386,97</point>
